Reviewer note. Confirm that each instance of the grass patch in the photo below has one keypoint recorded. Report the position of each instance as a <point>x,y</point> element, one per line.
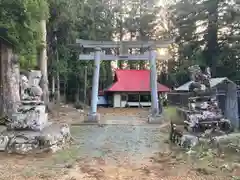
<point>170,111</point>
<point>171,114</point>
<point>28,173</point>
<point>67,156</point>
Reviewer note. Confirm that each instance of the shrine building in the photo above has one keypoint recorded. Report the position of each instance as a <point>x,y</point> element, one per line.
<point>132,88</point>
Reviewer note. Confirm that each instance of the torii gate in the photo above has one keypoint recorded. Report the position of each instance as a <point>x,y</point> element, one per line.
<point>98,55</point>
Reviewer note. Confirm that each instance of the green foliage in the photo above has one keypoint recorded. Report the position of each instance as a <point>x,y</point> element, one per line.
<point>207,32</point>
<point>197,25</point>
<point>28,61</point>
<point>21,19</point>
<point>70,20</point>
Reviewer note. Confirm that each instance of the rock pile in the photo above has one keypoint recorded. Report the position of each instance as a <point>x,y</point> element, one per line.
<point>204,117</point>
<point>28,129</point>
<point>205,114</point>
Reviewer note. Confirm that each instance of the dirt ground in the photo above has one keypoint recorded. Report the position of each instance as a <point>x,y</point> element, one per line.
<point>71,115</point>
<point>125,149</point>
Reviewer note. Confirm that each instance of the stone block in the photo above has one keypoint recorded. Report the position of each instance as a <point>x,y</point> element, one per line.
<point>32,102</point>
<point>32,120</point>
<point>51,138</point>
<point>2,128</point>
<point>34,77</point>
<point>3,142</point>
<point>41,107</point>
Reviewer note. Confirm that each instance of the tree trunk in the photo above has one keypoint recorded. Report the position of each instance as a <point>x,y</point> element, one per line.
<point>58,89</point>
<point>9,81</point>
<point>53,89</point>
<point>65,89</point>
<point>58,80</point>
<point>212,48</point>
<point>1,82</point>
<point>141,34</point>
<point>121,34</point>
<point>43,62</point>
<point>131,63</point>
<point>77,95</point>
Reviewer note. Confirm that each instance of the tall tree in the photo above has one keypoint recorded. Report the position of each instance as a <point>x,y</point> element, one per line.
<point>42,61</point>
<point>69,20</point>
<point>21,19</point>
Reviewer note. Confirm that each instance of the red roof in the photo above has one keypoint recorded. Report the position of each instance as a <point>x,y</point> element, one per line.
<point>134,81</point>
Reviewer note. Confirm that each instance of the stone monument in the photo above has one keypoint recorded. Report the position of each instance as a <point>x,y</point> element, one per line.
<point>203,116</point>
<point>200,80</point>
<point>28,130</point>
<point>204,109</point>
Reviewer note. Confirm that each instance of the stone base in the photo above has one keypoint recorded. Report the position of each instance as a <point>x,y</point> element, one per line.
<point>92,118</point>
<point>50,139</point>
<point>156,119</point>
<point>31,115</point>
<point>29,121</point>
<point>32,102</point>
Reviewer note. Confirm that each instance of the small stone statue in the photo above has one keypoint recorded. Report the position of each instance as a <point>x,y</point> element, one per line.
<point>201,81</point>
<point>195,71</point>
<point>30,89</point>
<point>208,72</point>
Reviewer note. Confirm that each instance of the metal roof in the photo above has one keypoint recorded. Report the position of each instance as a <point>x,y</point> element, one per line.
<point>133,80</point>
<point>213,83</point>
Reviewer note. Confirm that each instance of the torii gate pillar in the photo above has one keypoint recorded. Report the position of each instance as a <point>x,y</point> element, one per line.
<point>156,107</point>
<point>153,82</point>
<point>93,116</point>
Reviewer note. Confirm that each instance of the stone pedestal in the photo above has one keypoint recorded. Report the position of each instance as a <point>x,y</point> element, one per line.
<point>92,118</point>
<point>157,119</point>
<point>51,138</point>
<point>31,116</point>
<point>28,129</point>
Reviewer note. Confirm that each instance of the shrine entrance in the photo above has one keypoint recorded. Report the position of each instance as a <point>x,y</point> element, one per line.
<point>123,47</point>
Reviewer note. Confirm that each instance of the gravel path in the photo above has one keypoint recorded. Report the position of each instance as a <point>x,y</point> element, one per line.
<point>118,142</point>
